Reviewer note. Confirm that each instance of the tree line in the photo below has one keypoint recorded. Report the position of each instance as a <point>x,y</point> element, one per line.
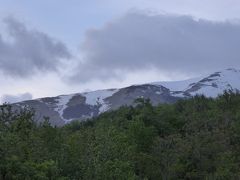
<point>197,138</point>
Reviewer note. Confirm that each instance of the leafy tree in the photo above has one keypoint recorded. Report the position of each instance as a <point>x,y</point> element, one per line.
<point>198,138</point>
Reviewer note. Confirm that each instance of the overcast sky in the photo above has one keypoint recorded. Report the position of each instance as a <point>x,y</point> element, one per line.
<point>57,47</point>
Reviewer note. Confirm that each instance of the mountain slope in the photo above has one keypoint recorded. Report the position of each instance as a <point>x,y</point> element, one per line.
<point>216,83</point>
<point>80,106</point>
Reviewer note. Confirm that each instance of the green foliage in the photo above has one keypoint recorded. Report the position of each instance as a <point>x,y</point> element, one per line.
<point>198,138</point>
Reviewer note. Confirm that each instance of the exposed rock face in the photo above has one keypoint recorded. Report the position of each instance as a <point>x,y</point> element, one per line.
<point>127,96</point>
<point>80,106</point>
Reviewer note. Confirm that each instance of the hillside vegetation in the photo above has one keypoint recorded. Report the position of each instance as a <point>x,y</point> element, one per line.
<point>198,138</point>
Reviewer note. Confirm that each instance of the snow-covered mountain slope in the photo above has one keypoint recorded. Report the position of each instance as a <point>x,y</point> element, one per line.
<point>80,106</point>
<point>216,83</point>
<point>177,85</point>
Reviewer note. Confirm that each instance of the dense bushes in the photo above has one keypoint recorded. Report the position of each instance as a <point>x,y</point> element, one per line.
<point>197,138</point>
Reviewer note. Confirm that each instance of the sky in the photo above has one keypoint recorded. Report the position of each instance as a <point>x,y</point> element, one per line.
<point>48,48</point>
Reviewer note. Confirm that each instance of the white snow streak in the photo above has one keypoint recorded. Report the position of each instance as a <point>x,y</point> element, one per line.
<point>62,104</point>
<point>97,98</point>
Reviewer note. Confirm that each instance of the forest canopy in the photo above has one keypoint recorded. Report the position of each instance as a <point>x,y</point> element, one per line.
<point>198,138</point>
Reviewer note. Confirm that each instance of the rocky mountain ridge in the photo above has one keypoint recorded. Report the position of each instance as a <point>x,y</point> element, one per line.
<point>80,106</point>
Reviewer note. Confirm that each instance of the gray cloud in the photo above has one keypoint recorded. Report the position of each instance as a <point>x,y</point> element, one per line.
<point>139,41</point>
<point>16,98</point>
<point>28,51</point>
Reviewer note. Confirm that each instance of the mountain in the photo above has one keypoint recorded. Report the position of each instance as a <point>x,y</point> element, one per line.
<point>80,106</point>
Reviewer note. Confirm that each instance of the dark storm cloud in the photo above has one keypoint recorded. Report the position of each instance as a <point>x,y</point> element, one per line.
<point>28,51</point>
<point>15,98</point>
<point>139,41</point>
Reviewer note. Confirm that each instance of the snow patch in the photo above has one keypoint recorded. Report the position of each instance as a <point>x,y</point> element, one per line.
<point>158,92</point>
<point>228,79</point>
<point>211,85</point>
<point>177,85</point>
<point>97,98</point>
<point>62,105</point>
